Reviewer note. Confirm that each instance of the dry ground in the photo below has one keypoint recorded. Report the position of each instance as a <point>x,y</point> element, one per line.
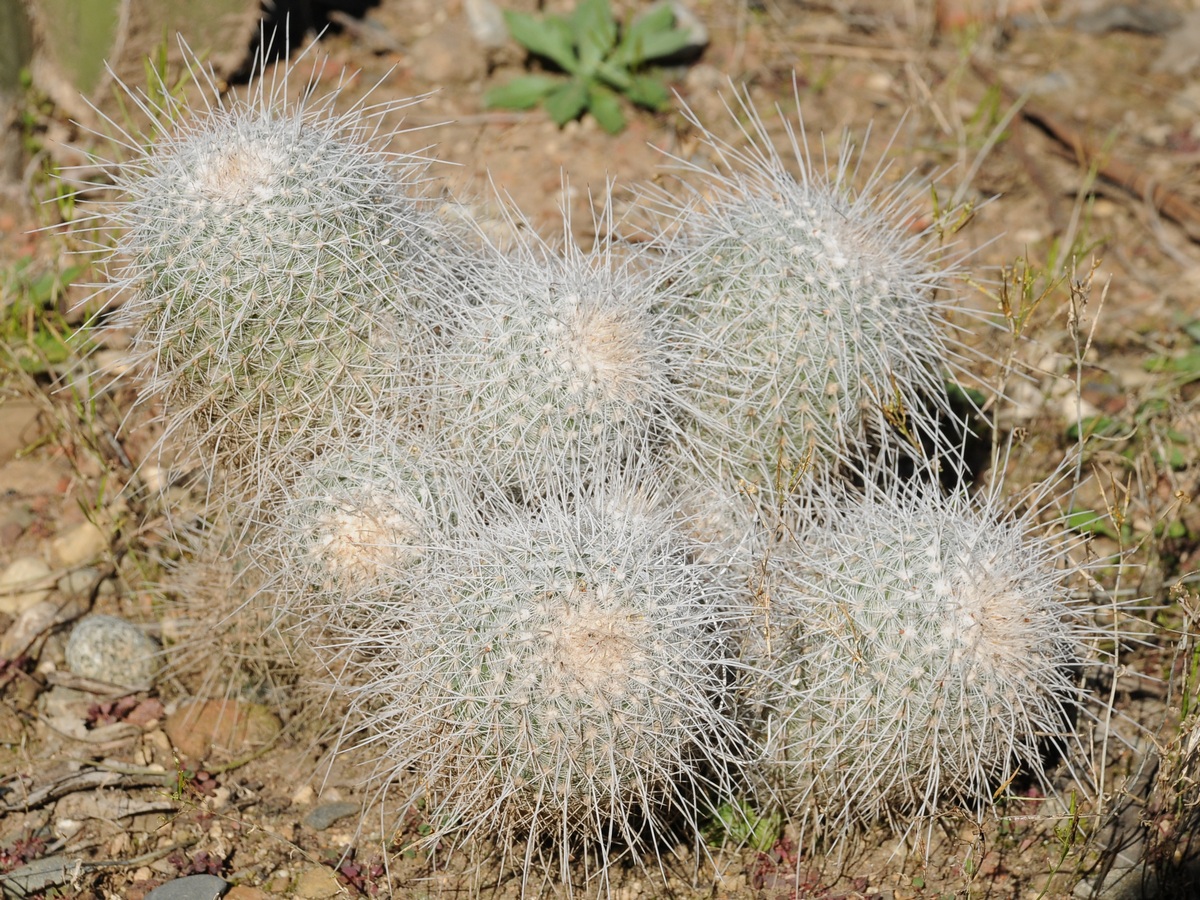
<point>1101,268</point>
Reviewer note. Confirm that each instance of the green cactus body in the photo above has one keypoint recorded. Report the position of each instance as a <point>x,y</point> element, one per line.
<point>564,678</point>
<point>282,284</point>
<point>925,652</point>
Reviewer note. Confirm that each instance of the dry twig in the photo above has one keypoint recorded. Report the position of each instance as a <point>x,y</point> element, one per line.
<point>1170,204</point>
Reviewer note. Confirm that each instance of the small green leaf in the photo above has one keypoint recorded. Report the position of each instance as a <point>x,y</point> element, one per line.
<point>549,37</point>
<point>521,93</point>
<point>1173,530</point>
<point>739,824</point>
<point>616,76</point>
<point>967,395</point>
<point>595,33</point>
<point>1089,521</point>
<point>1175,458</point>
<point>567,101</point>
<point>606,107</point>
<point>656,20</point>
<point>1089,426</point>
<point>658,45</point>
<point>1155,406</point>
<point>1188,364</point>
<point>650,92</point>
<point>639,48</point>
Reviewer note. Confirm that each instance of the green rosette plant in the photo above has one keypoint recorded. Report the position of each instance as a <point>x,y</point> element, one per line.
<point>601,61</point>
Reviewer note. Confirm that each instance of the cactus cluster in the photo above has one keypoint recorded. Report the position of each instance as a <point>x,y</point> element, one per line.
<point>571,530</point>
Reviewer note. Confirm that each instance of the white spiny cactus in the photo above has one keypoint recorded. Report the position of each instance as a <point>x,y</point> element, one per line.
<point>282,277</point>
<point>812,333</point>
<point>356,524</point>
<point>563,361</point>
<point>564,678</point>
<point>924,651</point>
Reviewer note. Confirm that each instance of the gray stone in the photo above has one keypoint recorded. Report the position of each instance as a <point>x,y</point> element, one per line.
<point>33,878</point>
<point>19,517</point>
<point>78,583</point>
<point>23,584</point>
<point>1181,51</point>
<point>1050,83</point>
<point>1143,18</point>
<point>486,22</point>
<point>193,887</point>
<point>112,650</point>
<point>321,817</point>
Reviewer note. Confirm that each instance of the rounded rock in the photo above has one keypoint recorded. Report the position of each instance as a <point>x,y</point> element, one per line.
<point>193,887</point>
<point>78,583</point>
<point>21,584</point>
<point>79,544</point>
<point>110,649</point>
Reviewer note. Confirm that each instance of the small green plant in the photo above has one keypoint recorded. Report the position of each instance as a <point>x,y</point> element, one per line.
<point>601,61</point>
<point>33,330</point>
<point>739,824</point>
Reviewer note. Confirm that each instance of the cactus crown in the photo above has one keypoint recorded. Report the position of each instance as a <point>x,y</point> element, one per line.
<point>561,364</point>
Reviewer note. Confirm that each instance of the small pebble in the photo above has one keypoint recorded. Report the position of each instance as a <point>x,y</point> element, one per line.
<point>486,22</point>
<point>78,544</point>
<point>112,650</point>
<point>13,524</point>
<point>17,593</point>
<point>200,728</point>
<point>321,817</point>
<point>318,883</point>
<point>193,887</point>
<point>37,876</point>
<point>78,583</point>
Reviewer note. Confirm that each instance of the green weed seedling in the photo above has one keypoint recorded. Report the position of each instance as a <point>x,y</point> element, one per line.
<point>601,61</point>
<point>36,335</point>
<point>739,824</point>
